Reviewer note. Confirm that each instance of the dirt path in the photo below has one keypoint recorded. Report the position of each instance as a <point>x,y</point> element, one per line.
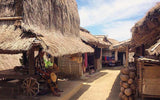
<point>104,86</point>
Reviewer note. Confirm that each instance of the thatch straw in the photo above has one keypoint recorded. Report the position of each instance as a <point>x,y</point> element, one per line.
<point>107,40</point>
<point>56,20</point>
<point>6,8</point>
<point>17,41</point>
<point>88,38</point>
<point>148,28</point>
<point>122,45</point>
<point>53,15</point>
<point>60,45</point>
<point>11,8</point>
<point>13,41</point>
<point>112,41</point>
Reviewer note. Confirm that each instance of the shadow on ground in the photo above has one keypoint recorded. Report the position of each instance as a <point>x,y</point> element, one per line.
<point>80,92</point>
<point>112,68</point>
<point>85,87</point>
<point>114,94</point>
<point>95,76</point>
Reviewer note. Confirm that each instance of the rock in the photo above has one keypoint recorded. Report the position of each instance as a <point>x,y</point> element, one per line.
<point>125,85</point>
<point>124,77</point>
<point>128,92</point>
<point>124,97</point>
<point>121,83</point>
<point>122,89</point>
<point>121,94</point>
<point>125,71</point>
<point>130,81</point>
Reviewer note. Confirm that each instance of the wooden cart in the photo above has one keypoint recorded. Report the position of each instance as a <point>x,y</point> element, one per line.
<point>29,82</point>
<point>148,72</point>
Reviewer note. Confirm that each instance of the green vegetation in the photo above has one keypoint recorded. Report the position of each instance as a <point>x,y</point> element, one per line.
<point>48,63</point>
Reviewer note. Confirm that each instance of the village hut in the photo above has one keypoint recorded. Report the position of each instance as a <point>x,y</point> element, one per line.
<point>117,51</point>
<point>115,54</point>
<point>124,48</point>
<point>145,42</point>
<point>93,60</point>
<point>107,51</point>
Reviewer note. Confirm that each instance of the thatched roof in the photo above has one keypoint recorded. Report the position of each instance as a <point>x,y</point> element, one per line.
<point>147,30</point>
<point>108,40</point>
<point>60,45</point>
<point>87,37</point>
<point>57,21</point>
<point>113,41</point>
<point>154,49</point>
<point>55,15</point>
<point>122,45</point>
<point>15,41</point>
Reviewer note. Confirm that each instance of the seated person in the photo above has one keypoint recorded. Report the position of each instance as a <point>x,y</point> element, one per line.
<point>47,74</point>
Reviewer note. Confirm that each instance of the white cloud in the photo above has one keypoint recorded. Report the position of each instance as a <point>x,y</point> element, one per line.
<point>108,12</point>
<point>119,30</point>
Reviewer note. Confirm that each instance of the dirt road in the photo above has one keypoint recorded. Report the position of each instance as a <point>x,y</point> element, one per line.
<point>103,86</point>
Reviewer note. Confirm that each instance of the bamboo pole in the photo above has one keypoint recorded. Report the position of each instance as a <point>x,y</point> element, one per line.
<point>10,18</point>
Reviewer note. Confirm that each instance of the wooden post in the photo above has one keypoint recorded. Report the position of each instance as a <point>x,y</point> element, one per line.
<point>31,61</point>
<point>124,59</point>
<point>25,58</point>
<point>127,56</point>
<point>101,59</point>
<point>97,58</point>
<point>101,54</point>
<point>143,50</point>
<point>116,55</point>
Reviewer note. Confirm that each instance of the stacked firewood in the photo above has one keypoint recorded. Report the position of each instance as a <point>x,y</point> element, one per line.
<point>127,83</point>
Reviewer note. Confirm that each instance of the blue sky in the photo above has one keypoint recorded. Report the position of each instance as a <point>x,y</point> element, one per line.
<point>113,18</point>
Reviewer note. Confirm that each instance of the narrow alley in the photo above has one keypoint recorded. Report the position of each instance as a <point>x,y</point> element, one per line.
<point>104,86</point>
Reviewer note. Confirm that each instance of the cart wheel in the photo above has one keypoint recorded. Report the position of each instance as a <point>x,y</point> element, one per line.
<point>30,87</point>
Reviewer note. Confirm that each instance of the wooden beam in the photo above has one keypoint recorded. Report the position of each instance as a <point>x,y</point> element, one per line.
<point>25,58</point>
<point>116,55</point>
<point>143,50</point>
<point>11,51</point>
<point>31,62</point>
<point>10,18</point>
<point>127,56</point>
